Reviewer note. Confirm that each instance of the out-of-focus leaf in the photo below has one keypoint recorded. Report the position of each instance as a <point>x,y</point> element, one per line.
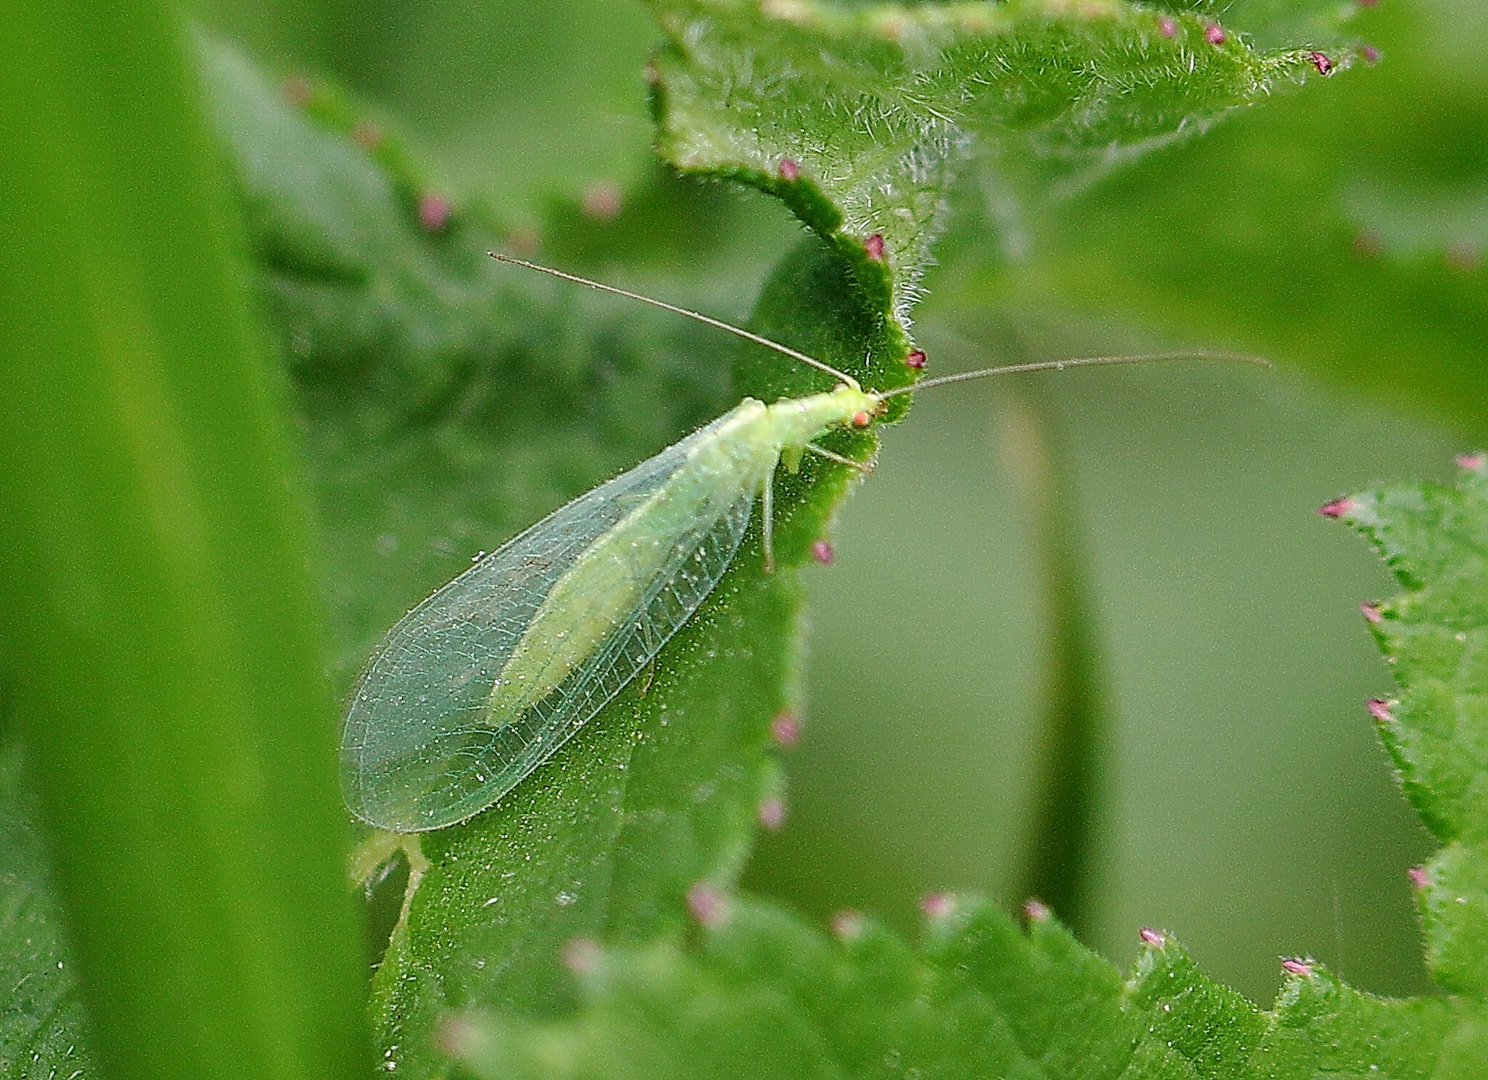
<point>1342,231</point>
<point>765,996</point>
<point>43,1028</point>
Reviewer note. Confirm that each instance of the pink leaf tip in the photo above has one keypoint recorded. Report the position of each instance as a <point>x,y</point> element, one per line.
<point>1475,462</point>
<point>367,135</point>
<point>847,925</point>
<point>1337,508</point>
<point>1371,612</point>
<point>1167,26</point>
<point>937,905</point>
<point>581,955</point>
<point>602,202</point>
<point>1370,54</point>
<point>1380,710</point>
<point>1463,256</point>
<point>789,170</point>
<point>916,359</point>
<point>1321,62</point>
<point>771,814</point>
<point>454,1036</point>
<point>785,729</point>
<point>1296,967</point>
<point>707,905</point>
<point>822,552</point>
<point>298,90</point>
<point>434,213</point>
<point>1036,911</point>
<point>1214,34</point>
<point>874,246</point>
<point>1152,937</point>
<point>1419,876</point>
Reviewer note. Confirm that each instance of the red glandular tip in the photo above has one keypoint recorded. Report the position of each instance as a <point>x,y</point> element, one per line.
<point>434,213</point>
<point>1214,34</point>
<point>1296,967</point>
<point>938,905</point>
<point>1321,62</point>
<point>1474,462</point>
<point>874,246</point>
<point>1337,508</point>
<point>1152,937</point>
<point>1418,876</point>
<point>1371,612</point>
<point>916,359</point>
<point>862,418</point>
<point>789,170</point>
<point>785,729</point>
<point>847,925</point>
<point>1463,256</point>
<point>771,814</point>
<point>1380,710</point>
<point>602,201</point>
<point>581,955</point>
<point>298,90</point>
<point>454,1036</point>
<point>707,905</point>
<point>1167,26</point>
<point>1036,911</point>
<point>822,552</point>
<point>1370,54</point>
<point>367,135</point>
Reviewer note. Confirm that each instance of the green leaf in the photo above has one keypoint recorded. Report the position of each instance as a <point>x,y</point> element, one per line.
<point>764,996</point>
<point>448,401</point>
<point>1340,232</point>
<point>861,116</point>
<point>1435,539</point>
<point>43,1026</point>
<point>162,638</point>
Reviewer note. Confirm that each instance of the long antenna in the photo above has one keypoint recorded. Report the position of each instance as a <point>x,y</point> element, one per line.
<point>699,316</point>
<point>1080,361</point>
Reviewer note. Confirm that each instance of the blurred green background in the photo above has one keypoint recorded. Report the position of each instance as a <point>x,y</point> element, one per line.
<point>1246,804</point>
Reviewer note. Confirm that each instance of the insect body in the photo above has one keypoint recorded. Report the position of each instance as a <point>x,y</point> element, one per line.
<point>482,682</point>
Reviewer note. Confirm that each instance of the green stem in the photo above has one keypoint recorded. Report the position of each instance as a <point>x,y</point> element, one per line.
<point>160,621</point>
<point>1058,862</point>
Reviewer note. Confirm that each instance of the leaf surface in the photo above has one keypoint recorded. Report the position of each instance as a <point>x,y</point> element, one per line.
<point>43,1027</point>
<point>862,116</point>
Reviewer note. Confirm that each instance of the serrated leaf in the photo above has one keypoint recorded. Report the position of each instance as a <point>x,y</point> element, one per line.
<point>43,1028</point>
<point>1339,232</point>
<point>860,116</point>
<point>1435,639</point>
<point>765,996</point>
<point>449,401</point>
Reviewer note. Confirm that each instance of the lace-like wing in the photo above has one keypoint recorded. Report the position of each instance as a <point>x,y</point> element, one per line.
<point>419,747</point>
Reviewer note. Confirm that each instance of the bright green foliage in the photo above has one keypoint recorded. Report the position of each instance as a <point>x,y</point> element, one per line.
<point>42,1029</point>
<point>451,401</point>
<point>1434,637</point>
<point>764,996</point>
<point>877,107</point>
<point>162,642</point>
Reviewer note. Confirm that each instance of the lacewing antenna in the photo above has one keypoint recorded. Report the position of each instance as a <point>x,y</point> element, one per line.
<point>786,350</point>
<point>1079,361</point>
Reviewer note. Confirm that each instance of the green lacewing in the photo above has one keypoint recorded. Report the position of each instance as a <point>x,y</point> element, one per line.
<point>484,680</point>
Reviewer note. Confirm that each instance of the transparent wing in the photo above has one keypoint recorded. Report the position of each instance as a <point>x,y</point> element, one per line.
<point>418,748</point>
